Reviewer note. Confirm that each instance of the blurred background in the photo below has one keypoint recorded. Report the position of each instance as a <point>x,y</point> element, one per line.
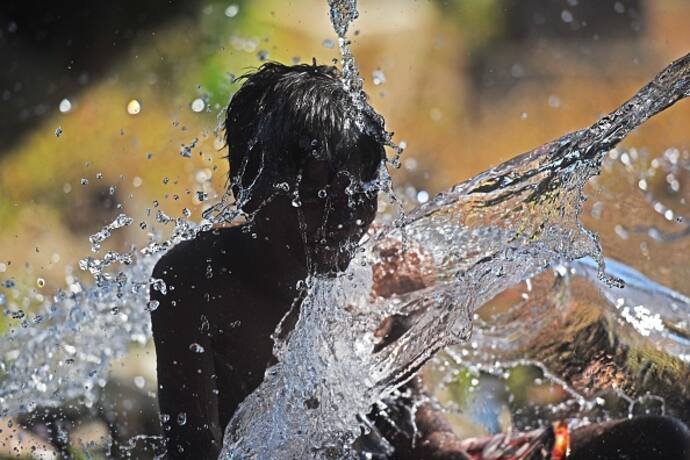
<point>110,107</point>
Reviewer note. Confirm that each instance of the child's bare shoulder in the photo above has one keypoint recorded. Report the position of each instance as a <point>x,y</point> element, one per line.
<point>213,252</point>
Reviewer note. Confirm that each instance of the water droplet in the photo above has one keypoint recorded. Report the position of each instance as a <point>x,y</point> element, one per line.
<point>133,107</point>
<point>84,181</point>
<point>65,106</point>
<point>40,282</point>
<point>196,348</point>
<point>517,71</point>
<point>186,150</point>
<point>566,16</point>
<point>262,55</point>
<point>182,418</point>
<point>282,186</point>
<point>232,10</point>
<point>203,175</point>
<point>378,77</point>
<point>139,381</point>
<point>554,101</point>
<point>322,193</point>
<point>410,164</point>
<point>621,232</point>
<point>198,105</point>
<point>422,196</point>
<point>152,305</point>
<point>328,43</point>
<point>58,131</point>
<point>137,181</point>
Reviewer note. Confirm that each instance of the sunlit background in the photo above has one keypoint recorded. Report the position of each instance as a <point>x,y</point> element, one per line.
<point>113,107</point>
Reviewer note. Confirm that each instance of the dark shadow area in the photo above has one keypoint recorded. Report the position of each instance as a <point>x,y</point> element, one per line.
<point>50,50</point>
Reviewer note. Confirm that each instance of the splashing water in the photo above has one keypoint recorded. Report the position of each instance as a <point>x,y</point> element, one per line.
<point>342,14</point>
<point>481,237</point>
<point>63,352</point>
<point>585,337</point>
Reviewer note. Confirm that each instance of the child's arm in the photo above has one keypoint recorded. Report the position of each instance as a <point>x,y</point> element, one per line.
<point>187,392</point>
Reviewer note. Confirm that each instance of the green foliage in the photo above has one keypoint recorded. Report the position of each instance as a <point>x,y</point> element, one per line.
<point>459,388</point>
<point>480,20</point>
<point>520,379</point>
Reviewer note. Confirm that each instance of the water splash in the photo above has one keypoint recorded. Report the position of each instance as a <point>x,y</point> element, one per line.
<point>585,337</point>
<point>482,237</point>
<point>63,352</point>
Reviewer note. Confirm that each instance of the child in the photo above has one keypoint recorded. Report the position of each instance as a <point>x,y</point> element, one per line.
<point>295,148</point>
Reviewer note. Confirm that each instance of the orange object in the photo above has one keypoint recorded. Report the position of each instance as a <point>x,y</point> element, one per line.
<point>561,446</point>
<point>550,443</point>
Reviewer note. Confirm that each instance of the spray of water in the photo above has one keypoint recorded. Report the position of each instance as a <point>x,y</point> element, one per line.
<point>483,236</point>
<point>63,352</point>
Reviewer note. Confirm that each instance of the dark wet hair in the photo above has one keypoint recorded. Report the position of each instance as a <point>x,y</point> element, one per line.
<point>283,116</point>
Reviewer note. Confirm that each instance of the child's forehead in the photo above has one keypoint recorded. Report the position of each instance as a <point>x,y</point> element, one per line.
<point>353,163</point>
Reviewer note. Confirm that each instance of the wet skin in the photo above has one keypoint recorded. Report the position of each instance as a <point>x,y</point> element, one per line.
<point>232,315</point>
<point>229,288</point>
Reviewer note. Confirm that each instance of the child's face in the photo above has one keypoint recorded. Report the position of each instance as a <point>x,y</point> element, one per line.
<point>331,212</point>
<point>335,204</point>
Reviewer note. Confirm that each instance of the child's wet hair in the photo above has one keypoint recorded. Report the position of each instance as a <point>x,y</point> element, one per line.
<point>283,116</point>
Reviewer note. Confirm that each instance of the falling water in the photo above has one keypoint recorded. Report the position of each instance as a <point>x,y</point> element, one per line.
<point>483,236</point>
<point>342,13</point>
